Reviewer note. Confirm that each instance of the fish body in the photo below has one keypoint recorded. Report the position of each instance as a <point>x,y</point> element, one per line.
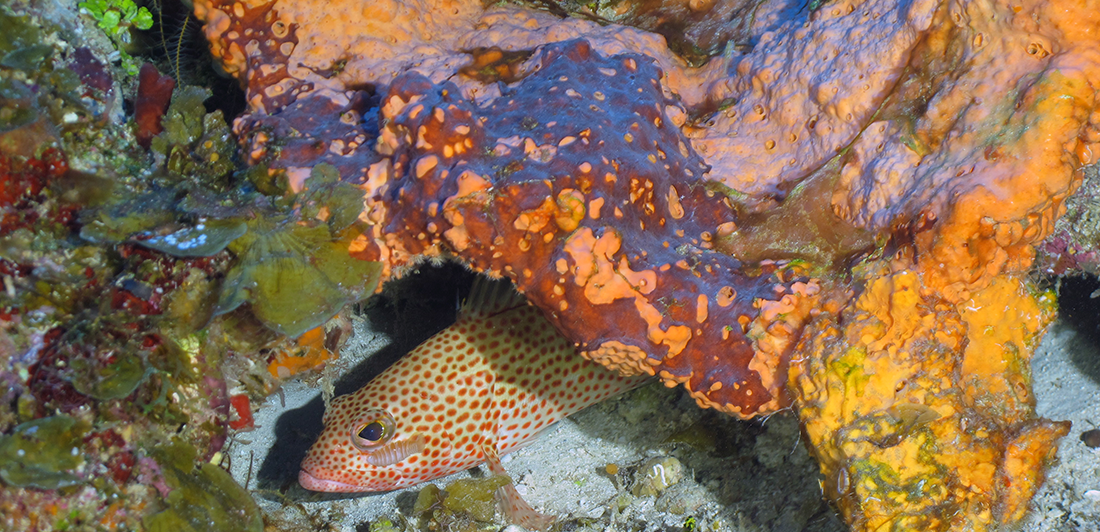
<point>481,388</point>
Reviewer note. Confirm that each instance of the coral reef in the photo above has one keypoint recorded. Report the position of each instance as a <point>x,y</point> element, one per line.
<point>137,306</point>
<point>916,408</point>
<point>1074,245</point>
<point>836,215</point>
<point>831,207</point>
<point>577,246</point>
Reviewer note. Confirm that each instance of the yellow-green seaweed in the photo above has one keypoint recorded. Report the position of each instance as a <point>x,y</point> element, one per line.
<point>475,496</point>
<point>195,144</point>
<point>297,273</point>
<point>43,453</point>
<point>204,498</point>
<point>112,381</point>
<point>21,45</point>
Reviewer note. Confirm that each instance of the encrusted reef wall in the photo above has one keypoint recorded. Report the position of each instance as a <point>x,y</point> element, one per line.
<point>836,211</point>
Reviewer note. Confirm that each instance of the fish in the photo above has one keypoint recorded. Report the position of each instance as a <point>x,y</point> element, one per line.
<point>483,387</point>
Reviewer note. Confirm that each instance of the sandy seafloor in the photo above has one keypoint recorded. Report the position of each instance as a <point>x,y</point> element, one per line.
<point>738,476</point>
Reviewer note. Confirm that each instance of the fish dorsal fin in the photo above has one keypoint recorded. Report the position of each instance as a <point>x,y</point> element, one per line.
<point>489,297</point>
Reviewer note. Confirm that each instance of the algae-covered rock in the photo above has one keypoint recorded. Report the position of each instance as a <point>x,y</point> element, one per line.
<point>40,101</point>
<point>656,475</point>
<point>129,215</point>
<point>462,500</point>
<point>44,453</point>
<point>203,498</point>
<point>16,33</point>
<point>291,259</point>
<point>18,109</point>
<point>475,496</point>
<point>296,277</point>
<point>114,380</point>
<point>428,499</point>
<point>206,238</point>
<point>21,45</point>
<point>383,525</point>
<point>194,144</point>
<point>297,272</point>
<point>681,499</point>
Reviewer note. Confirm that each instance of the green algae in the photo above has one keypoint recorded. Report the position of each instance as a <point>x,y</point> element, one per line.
<point>296,278</point>
<point>204,239</point>
<point>428,499</point>
<point>114,380</point>
<point>325,192</point>
<point>383,525</point>
<point>88,333</point>
<point>17,32</point>
<point>116,18</point>
<point>195,145</point>
<point>292,265</point>
<point>190,306</point>
<point>296,270</point>
<point>475,496</point>
<point>27,57</point>
<point>129,215</point>
<point>701,435</point>
<point>20,40</point>
<point>465,504</point>
<point>18,109</point>
<point>203,498</point>
<point>43,453</point>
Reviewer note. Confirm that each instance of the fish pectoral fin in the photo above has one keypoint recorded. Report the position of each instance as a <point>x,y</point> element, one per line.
<point>492,458</point>
<point>516,510</point>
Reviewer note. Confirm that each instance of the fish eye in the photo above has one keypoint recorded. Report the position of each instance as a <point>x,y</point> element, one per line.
<point>372,432</point>
<point>375,428</point>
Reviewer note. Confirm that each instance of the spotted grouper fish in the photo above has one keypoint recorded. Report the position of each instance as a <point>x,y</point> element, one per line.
<point>477,390</point>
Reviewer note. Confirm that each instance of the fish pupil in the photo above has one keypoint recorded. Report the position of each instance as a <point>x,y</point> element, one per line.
<point>372,432</point>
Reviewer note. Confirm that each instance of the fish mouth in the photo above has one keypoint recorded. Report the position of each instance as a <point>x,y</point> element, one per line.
<point>313,483</point>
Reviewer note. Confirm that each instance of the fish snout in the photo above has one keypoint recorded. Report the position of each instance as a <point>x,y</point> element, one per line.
<point>351,476</point>
<point>312,483</point>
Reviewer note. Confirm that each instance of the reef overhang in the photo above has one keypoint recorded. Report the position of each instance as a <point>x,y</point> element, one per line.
<point>837,215</point>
